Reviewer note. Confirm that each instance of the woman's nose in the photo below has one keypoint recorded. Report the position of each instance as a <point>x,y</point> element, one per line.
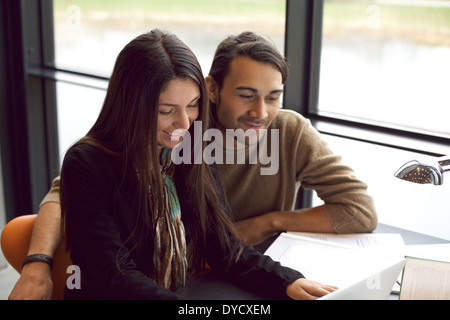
<point>183,121</point>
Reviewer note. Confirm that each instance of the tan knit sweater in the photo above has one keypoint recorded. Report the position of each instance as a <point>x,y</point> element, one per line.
<point>304,159</point>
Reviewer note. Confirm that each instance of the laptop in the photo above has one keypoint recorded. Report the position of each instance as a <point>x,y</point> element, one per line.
<point>375,287</point>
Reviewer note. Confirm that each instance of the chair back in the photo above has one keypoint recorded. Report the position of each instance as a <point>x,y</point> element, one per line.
<point>15,241</point>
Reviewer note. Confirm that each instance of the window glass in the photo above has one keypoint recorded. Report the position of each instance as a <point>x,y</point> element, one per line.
<point>78,108</point>
<point>387,61</point>
<point>89,34</point>
<point>406,205</point>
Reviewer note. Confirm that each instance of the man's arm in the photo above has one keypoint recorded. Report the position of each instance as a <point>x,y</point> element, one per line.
<point>46,234</point>
<point>255,230</point>
<point>35,280</point>
<point>347,207</point>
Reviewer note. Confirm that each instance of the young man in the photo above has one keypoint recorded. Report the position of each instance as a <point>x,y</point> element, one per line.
<point>245,85</point>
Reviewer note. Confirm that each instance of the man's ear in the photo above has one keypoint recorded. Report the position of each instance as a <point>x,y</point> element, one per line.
<point>212,88</point>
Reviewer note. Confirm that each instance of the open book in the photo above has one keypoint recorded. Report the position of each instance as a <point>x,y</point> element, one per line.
<point>425,280</point>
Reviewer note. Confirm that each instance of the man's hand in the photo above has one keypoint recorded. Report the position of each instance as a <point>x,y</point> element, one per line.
<point>34,283</point>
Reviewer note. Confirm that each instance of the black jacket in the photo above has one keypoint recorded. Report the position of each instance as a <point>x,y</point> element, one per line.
<point>102,210</point>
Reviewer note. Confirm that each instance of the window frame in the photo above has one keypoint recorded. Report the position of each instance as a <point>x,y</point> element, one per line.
<point>305,75</point>
<point>29,131</point>
<point>25,135</point>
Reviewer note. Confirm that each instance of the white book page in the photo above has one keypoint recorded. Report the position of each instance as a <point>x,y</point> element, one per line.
<point>327,262</point>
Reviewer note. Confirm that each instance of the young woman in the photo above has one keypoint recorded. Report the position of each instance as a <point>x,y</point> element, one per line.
<point>138,226</point>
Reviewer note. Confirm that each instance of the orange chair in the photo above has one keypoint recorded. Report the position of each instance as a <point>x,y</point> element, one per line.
<point>15,241</point>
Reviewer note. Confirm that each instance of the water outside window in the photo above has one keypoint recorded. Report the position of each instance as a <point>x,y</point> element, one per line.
<point>387,61</point>
<point>90,34</point>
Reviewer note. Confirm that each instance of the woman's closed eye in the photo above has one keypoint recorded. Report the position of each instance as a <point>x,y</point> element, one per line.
<point>166,112</point>
<point>194,105</point>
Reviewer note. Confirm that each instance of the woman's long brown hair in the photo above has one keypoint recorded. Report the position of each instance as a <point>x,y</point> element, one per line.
<point>126,128</point>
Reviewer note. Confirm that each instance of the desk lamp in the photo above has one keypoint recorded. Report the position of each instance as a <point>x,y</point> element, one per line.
<point>422,173</point>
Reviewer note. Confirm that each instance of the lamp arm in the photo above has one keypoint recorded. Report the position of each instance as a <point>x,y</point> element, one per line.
<point>444,162</point>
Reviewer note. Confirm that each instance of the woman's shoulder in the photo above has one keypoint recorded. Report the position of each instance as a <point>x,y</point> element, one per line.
<point>87,165</point>
<point>84,151</point>
<point>87,155</point>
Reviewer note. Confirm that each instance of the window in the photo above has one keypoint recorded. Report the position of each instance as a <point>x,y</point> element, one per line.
<point>386,62</point>
<point>90,34</point>
<point>76,116</point>
<point>341,81</point>
<point>379,97</point>
<point>420,208</point>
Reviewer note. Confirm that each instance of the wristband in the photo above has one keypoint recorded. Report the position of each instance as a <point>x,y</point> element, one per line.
<point>38,258</point>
